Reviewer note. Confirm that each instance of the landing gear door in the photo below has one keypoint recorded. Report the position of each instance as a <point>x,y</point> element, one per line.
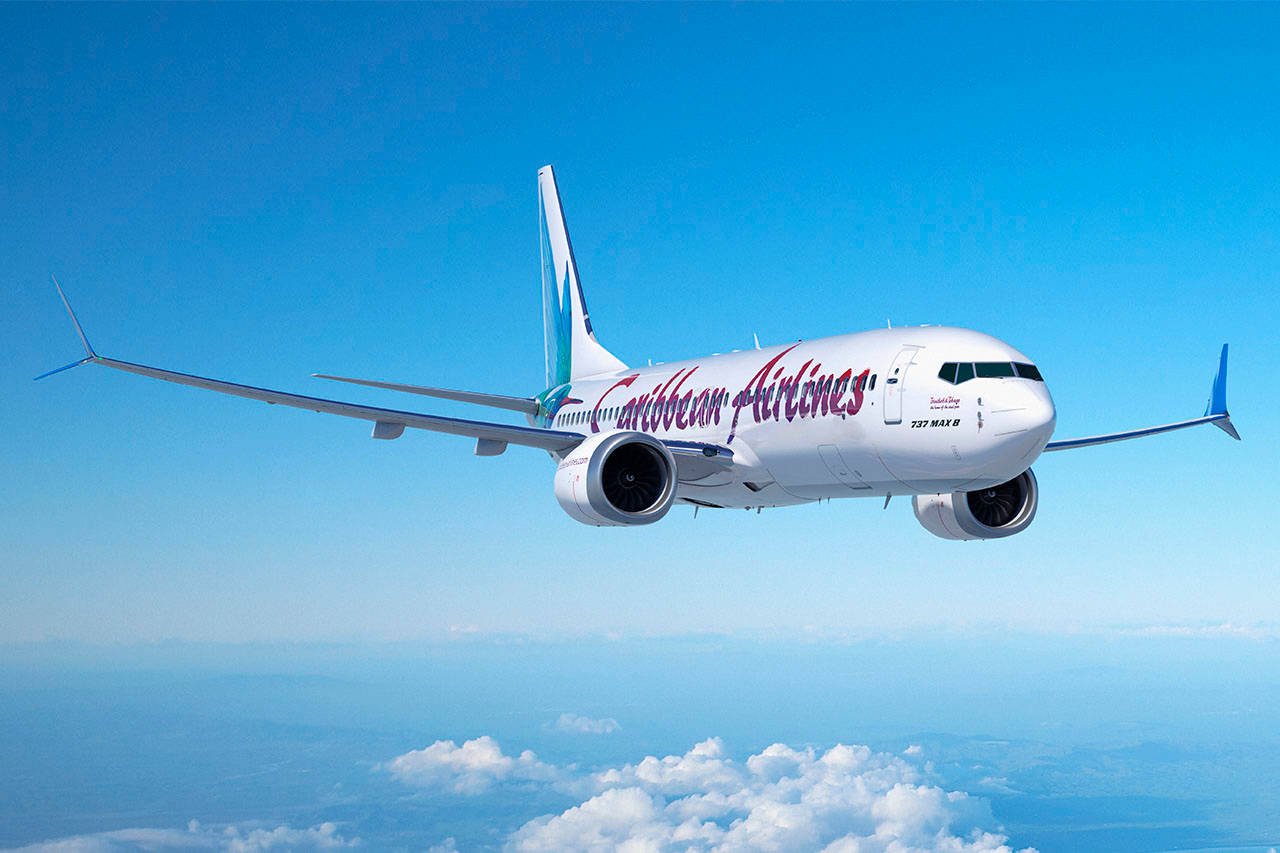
<point>843,471</point>
<point>893,382</point>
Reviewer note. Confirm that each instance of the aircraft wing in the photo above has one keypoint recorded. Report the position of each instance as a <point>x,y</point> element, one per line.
<point>694,460</point>
<point>1215,413</point>
<point>545,439</point>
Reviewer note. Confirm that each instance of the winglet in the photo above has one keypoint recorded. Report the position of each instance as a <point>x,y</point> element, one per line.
<point>89,354</point>
<point>1218,399</point>
<point>88,350</point>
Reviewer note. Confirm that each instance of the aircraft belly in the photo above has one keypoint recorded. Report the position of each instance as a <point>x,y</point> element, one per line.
<point>738,495</point>
<point>824,459</point>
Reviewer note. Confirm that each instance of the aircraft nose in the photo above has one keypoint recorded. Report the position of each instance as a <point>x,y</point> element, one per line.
<point>1041,415</point>
<point>1026,409</point>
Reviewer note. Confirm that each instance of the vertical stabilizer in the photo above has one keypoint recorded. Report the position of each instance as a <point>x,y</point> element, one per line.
<point>571,347</point>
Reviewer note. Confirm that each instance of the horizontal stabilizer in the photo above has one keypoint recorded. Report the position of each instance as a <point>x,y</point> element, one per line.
<point>527,405</point>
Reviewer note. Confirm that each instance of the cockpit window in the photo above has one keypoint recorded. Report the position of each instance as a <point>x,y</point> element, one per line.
<point>993,369</point>
<point>958,372</point>
<point>1028,371</point>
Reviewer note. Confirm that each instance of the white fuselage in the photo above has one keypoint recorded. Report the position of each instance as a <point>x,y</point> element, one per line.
<point>854,415</point>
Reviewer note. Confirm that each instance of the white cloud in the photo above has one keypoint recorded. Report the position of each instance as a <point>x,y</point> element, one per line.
<point>585,725</point>
<point>241,838</point>
<point>703,768</point>
<point>1226,629</point>
<point>470,768</point>
<point>846,799</point>
<point>997,783</point>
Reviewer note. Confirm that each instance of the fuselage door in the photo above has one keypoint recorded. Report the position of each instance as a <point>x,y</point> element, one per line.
<point>893,382</point>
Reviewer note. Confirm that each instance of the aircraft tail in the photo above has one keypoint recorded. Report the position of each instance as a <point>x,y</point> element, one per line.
<point>572,351</point>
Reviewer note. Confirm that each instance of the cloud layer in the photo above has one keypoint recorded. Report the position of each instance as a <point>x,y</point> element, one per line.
<point>229,839</point>
<point>846,799</point>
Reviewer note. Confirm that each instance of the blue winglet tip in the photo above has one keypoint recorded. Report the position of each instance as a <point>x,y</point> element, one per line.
<point>89,354</point>
<point>1218,399</point>
<point>64,367</point>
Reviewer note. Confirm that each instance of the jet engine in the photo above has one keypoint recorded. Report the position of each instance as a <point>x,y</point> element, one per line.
<point>617,478</point>
<point>989,513</point>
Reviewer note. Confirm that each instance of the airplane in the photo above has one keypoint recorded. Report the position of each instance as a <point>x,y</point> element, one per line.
<point>952,417</point>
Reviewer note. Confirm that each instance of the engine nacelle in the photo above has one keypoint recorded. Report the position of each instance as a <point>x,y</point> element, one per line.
<point>617,478</point>
<point>990,513</point>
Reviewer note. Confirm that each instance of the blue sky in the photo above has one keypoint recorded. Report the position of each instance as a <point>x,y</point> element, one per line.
<point>259,192</point>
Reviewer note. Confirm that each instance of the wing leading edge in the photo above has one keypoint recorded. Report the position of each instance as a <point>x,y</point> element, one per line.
<point>1215,413</point>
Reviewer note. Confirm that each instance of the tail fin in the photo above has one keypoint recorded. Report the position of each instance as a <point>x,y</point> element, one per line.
<point>571,347</point>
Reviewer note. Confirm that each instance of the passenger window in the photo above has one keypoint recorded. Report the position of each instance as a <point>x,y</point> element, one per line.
<point>964,372</point>
<point>993,369</point>
<point>1028,371</point>
<point>873,382</point>
<point>948,372</point>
